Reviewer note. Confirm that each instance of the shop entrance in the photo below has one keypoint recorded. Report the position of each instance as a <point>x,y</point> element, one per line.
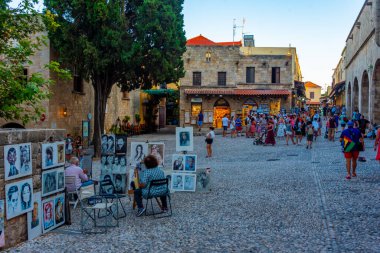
<point>249,106</point>
<point>221,108</point>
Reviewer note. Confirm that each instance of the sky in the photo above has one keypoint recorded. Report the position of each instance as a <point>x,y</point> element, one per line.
<point>318,29</point>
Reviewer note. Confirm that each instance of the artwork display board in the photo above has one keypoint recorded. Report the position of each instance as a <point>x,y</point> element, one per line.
<point>203,180</point>
<point>139,150</point>
<point>121,144</point>
<point>184,139</point>
<point>53,212</point>
<point>35,217</point>
<point>53,154</point>
<point>184,162</point>
<point>183,182</point>
<point>17,160</point>
<point>19,198</point>
<point>108,144</point>
<point>2,218</point>
<point>53,181</point>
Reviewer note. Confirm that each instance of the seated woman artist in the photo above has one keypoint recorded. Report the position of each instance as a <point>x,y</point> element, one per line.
<point>151,173</point>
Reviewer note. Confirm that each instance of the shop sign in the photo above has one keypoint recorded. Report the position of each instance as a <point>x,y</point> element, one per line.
<point>196,100</point>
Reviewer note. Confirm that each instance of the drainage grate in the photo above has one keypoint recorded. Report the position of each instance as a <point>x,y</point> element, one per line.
<point>274,159</point>
<point>292,155</point>
<point>315,162</point>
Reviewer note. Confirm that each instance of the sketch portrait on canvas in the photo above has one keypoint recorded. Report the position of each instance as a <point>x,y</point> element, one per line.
<point>49,182</point>
<point>190,163</point>
<point>48,215</point>
<point>59,210</point>
<point>177,182</point>
<point>26,159</point>
<point>178,162</point>
<point>157,150</point>
<point>204,180</point>
<point>34,217</point>
<point>121,144</point>
<point>13,201</point>
<point>184,139</point>
<point>139,150</point>
<point>19,196</point>
<point>189,184</point>
<point>26,196</point>
<point>11,161</point>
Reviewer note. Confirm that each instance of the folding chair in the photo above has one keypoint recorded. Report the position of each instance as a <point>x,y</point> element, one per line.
<point>151,196</point>
<point>90,203</point>
<point>107,190</point>
<point>71,190</point>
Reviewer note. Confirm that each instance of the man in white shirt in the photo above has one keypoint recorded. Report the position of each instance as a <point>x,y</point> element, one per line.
<point>225,122</point>
<point>77,172</point>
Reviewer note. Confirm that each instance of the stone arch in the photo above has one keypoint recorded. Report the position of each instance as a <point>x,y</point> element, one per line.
<point>365,95</point>
<point>13,125</point>
<point>349,101</point>
<point>355,95</point>
<point>376,93</point>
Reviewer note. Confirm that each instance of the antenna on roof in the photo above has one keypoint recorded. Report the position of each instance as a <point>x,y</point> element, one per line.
<point>234,26</point>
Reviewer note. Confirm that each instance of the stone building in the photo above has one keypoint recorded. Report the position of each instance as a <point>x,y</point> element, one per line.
<point>313,94</point>
<point>73,101</point>
<point>337,95</point>
<point>230,78</point>
<point>362,62</point>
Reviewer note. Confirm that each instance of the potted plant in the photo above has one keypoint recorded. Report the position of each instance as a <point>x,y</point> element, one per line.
<point>137,118</point>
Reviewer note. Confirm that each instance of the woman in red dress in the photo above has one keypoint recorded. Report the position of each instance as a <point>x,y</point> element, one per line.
<point>377,145</point>
<point>270,133</point>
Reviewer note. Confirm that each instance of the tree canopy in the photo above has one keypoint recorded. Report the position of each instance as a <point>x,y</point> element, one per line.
<point>21,93</point>
<point>130,43</point>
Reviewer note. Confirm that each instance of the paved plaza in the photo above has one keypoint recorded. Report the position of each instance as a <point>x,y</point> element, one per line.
<point>263,199</point>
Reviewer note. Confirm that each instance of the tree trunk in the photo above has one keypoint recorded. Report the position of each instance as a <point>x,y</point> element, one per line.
<point>102,91</point>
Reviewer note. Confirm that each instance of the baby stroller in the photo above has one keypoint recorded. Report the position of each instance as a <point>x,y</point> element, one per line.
<point>260,140</point>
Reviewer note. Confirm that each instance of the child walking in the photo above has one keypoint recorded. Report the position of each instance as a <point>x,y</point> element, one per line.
<point>310,135</point>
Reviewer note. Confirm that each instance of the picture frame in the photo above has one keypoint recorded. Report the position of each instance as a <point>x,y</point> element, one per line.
<point>184,139</point>
<point>121,144</point>
<point>139,150</point>
<point>2,228</point>
<point>19,197</point>
<point>107,144</point>
<point>53,154</point>
<point>34,218</point>
<point>53,181</point>
<point>53,212</point>
<point>203,180</point>
<point>177,181</point>
<point>178,162</point>
<point>190,182</point>
<point>190,163</point>
<point>157,149</point>
<point>17,161</point>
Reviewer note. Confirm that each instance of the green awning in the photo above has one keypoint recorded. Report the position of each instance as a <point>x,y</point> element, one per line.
<point>160,92</point>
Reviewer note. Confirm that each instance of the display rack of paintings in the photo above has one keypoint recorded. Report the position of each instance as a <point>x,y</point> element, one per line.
<point>139,150</point>
<point>108,144</point>
<point>183,182</point>
<point>35,217</point>
<point>19,197</point>
<point>17,160</point>
<point>53,181</point>
<point>184,162</point>
<point>184,139</point>
<point>53,154</point>
<point>2,217</point>
<point>53,212</point>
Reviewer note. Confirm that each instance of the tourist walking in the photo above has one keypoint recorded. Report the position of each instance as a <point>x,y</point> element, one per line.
<point>331,128</point>
<point>270,134</point>
<point>310,135</point>
<point>209,140</point>
<point>233,127</point>
<point>297,131</point>
<point>351,139</point>
<point>377,141</point>
<point>343,121</point>
<point>225,125</point>
<point>238,126</point>
<point>200,120</point>
<point>289,132</point>
<point>281,128</point>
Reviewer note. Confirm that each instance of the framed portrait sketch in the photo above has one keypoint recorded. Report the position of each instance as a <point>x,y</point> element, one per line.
<point>120,183</point>
<point>177,181</point>
<point>178,162</point>
<point>35,217</point>
<point>139,150</point>
<point>108,144</point>
<point>53,181</point>
<point>19,196</point>
<point>17,160</point>
<point>2,217</point>
<point>53,212</point>
<point>189,182</point>
<point>184,139</point>
<point>85,128</point>
<point>121,144</point>
<point>52,156</point>
<point>203,180</point>
<point>157,149</point>
<point>190,163</point>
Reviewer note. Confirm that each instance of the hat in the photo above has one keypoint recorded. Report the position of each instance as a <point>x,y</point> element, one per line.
<point>350,123</point>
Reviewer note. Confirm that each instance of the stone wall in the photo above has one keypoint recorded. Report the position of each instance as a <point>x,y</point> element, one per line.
<point>16,230</point>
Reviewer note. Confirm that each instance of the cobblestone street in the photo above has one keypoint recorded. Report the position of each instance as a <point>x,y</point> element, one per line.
<point>263,199</point>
